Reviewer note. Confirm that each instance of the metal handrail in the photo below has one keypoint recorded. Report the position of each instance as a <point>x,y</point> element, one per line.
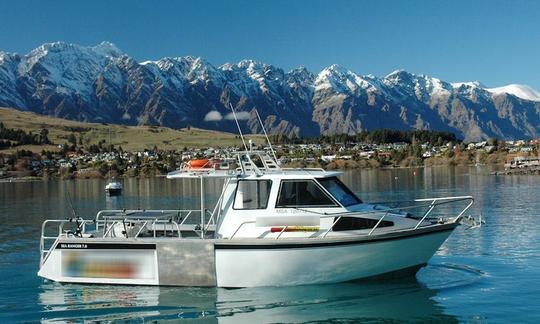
<point>125,213</point>
<point>217,207</point>
<point>144,225</point>
<point>187,216</point>
<point>397,209</point>
<point>44,253</point>
<point>81,223</point>
<point>281,232</point>
<point>331,227</point>
<point>434,202</point>
<point>145,214</point>
<point>239,226</point>
<point>377,225</point>
<point>304,169</point>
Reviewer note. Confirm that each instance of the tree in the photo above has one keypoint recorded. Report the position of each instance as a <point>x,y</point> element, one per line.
<point>72,139</point>
<point>492,141</point>
<point>43,136</point>
<point>93,149</point>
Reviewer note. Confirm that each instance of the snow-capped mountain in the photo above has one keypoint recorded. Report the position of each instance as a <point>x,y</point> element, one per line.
<point>519,90</point>
<point>101,83</point>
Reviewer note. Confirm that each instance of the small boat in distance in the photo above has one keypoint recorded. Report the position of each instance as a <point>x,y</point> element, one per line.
<point>114,188</point>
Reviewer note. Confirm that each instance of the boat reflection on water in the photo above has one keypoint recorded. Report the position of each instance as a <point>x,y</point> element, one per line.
<point>393,300</point>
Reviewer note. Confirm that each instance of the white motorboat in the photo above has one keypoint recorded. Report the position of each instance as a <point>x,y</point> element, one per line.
<point>114,188</point>
<point>271,226</point>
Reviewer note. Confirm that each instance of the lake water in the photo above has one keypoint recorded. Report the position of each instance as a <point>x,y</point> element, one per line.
<point>489,274</point>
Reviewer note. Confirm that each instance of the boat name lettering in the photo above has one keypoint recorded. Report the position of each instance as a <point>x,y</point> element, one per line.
<point>290,211</point>
<point>73,246</point>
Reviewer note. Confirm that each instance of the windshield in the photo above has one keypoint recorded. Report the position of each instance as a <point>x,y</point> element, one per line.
<point>339,191</point>
<point>303,193</point>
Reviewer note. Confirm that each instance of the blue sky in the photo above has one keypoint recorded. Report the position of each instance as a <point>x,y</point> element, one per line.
<point>494,42</point>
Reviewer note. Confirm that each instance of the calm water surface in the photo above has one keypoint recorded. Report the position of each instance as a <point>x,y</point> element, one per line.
<point>491,274</point>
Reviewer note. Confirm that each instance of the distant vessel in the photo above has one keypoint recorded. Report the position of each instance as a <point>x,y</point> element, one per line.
<point>114,188</point>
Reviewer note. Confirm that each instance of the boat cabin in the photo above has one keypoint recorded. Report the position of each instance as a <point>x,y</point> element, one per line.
<point>262,200</point>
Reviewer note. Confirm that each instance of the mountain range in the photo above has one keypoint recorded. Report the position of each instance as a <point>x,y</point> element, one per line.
<point>102,84</point>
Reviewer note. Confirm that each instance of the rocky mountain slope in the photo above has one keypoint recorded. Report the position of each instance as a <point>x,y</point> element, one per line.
<point>102,84</point>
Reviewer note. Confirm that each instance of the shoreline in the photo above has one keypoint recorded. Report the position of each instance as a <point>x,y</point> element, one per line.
<point>385,168</point>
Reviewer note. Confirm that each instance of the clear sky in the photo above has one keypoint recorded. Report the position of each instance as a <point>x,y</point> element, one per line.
<point>494,42</point>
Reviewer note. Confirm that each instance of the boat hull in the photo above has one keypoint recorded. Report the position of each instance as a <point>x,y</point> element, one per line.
<point>251,266</point>
<point>114,192</point>
<point>242,262</point>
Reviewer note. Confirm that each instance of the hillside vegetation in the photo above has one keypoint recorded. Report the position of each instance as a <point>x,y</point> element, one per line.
<point>131,138</point>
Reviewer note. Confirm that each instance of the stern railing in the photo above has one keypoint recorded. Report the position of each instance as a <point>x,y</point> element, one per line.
<point>131,223</point>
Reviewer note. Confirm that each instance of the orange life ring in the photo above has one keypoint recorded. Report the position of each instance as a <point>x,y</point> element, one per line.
<point>198,164</point>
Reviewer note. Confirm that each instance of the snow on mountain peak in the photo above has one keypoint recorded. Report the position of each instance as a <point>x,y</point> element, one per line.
<point>251,65</point>
<point>259,72</point>
<point>336,70</point>
<point>421,86</point>
<point>227,67</point>
<point>62,48</point>
<point>345,80</point>
<point>3,56</point>
<point>519,90</point>
<point>472,84</point>
<point>302,74</point>
<point>56,55</point>
<point>107,49</point>
<point>398,76</point>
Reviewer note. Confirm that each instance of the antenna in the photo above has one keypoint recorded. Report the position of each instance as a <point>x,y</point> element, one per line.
<point>71,203</point>
<point>266,135</point>
<point>75,217</point>
<point>238,125</point>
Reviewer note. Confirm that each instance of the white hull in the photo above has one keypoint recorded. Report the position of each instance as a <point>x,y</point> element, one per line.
<point>243,263</point>
<point>300,266</point>
<point>114,188</point>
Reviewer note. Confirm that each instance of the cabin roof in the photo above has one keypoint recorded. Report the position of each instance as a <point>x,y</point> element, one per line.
<point>266,167</point>
<point>266,174</point>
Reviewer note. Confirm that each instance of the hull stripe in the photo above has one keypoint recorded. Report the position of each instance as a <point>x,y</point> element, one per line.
<point>219,246</point>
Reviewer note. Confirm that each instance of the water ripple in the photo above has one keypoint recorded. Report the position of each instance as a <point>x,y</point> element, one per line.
<point>448,276</point>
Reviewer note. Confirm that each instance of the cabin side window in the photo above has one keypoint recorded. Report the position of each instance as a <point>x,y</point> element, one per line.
<point>303,193</point>
<point>252,194</point>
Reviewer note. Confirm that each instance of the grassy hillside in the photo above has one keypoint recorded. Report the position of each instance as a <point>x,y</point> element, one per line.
<point>131,138</point>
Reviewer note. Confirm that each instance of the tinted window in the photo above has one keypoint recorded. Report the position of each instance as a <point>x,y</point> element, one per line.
<point>252,194</point>
<point>339,191</point>
<point>297,193</point>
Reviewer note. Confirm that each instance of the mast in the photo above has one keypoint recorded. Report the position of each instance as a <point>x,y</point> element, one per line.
<point>110,153</point>
<point>238,125</point>
<point>266,135</point>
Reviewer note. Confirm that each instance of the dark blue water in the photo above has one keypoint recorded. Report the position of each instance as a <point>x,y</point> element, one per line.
<point>490,274</point>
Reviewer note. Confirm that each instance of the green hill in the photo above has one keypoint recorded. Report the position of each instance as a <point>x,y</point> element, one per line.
<point>131,138</point>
